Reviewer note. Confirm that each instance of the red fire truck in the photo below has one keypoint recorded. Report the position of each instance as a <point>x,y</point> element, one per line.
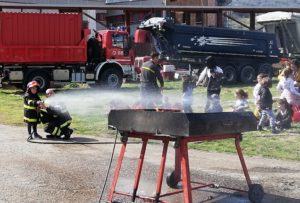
<point>56,48</point>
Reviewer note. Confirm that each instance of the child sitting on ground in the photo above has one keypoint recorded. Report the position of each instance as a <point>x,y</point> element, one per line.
<point>214,105</point>
<point>283,115</point>
<point>241,104</point>
<point>187,88</point>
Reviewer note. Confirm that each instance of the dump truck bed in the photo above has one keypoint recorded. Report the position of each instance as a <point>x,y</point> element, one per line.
<point>41,38</point>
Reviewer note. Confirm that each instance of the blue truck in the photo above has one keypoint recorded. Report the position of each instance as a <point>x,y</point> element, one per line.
<point>241,54</point>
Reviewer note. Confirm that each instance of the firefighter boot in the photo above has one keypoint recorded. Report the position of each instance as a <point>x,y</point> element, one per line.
<point>50,136</point>
<point>67,134</point>
<point>35,135</point>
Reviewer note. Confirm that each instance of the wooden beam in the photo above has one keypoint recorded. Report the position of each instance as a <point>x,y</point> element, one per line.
<point>220,18</point>
<point>237,21</point>
<point>187,19</point>
<point>97,21</point>
<point>205,9</point>
<point>127,21</point>
<point>252,21</point>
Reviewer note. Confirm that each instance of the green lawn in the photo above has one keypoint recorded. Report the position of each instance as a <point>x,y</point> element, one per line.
<point>90,117</point>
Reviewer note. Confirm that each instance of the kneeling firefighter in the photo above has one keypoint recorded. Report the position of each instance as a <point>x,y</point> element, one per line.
<point>56,119</point>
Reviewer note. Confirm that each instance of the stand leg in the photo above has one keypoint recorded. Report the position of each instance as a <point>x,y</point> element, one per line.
<point>177,164</point>
<point>117,171</point>
<point>239,151</point>
<point>185,172</point>
<point>139,170</point>
<point>161,170</point>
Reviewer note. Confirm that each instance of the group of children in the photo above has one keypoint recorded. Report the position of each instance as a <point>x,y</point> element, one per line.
<point>263,101</point>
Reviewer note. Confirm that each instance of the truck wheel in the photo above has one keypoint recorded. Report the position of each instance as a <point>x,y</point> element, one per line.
<point>266,68</point>
<point>229,74</point>
<point>41,78</point>
<point>247,74</point>
<point>111,78</point>
<point>256,193</point>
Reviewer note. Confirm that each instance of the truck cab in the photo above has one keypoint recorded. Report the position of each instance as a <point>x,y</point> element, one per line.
<point>114,57</point>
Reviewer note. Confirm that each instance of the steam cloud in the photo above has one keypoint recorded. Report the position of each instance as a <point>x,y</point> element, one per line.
<point>86,102</point>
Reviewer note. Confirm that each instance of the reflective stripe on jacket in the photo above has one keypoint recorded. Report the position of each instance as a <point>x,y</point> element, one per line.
<point>30,108</point>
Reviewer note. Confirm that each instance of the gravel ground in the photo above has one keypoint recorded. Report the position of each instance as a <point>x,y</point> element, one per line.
<point>76,173</point>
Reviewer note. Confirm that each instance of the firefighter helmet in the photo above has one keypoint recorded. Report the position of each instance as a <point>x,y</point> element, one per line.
<point>32,84</point>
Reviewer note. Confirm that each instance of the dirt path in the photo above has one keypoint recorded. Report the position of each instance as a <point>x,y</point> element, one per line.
<point>75,173</point>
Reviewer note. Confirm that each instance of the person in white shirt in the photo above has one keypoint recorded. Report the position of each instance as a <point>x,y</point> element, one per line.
<point>214,74</point>
<point>286,87</point>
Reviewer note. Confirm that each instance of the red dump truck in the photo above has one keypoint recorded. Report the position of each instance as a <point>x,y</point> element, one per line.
<point>55,48</point>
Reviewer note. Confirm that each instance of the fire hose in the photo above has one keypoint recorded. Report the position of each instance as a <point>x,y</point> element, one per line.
<point>31,140</point>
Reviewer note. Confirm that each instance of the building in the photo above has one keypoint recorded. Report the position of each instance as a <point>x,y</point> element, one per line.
<point>117,18</point>
<point>114,18</point>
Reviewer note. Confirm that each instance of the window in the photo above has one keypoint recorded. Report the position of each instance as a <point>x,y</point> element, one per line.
<point>199,18</point>
<point>119,40</point>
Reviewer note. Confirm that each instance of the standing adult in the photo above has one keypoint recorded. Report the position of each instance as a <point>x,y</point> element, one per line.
<point>215,76</point>
<point>150,90</point>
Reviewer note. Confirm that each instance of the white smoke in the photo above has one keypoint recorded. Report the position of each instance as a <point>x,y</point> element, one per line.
<point>91,101</point>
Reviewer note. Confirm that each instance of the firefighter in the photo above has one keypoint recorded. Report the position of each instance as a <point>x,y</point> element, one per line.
<point>32,104</point>
<point>56,118</point>
<point>150,91</point>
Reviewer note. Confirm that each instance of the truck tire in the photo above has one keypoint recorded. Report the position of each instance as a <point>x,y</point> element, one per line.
<point>266,68</point>
<point>229,74</point>
<point>111,78</point>
<point>42,78</point>
<point>247,74</point>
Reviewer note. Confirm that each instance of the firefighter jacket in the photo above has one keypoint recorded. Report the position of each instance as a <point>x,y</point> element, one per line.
<point>150,74</point>
<point>58,113</point>
<point>31,102</point>
<point>56,119</point>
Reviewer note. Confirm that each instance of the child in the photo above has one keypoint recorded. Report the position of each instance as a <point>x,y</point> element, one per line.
<point>255,94</point>
<point>214,105</point>
<point>241,104</point>
<point>283,115</point>
<point>31,108</point>
<point>187,88</point>
<point>287,89</point>
<point>265,104</point>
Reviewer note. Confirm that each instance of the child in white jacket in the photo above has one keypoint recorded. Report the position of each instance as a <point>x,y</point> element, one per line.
<point>287,88</point>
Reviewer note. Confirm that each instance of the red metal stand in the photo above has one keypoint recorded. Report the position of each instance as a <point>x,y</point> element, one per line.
<point>182,168</point>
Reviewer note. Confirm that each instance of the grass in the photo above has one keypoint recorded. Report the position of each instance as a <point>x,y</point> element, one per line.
<point>285,145</point>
